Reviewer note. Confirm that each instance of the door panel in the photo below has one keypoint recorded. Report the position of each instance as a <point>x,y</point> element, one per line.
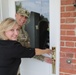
<point>31,66</point>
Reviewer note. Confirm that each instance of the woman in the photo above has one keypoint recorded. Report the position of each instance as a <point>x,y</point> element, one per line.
<point>12,51</point>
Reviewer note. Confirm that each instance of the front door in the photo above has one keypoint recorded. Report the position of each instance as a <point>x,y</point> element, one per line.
<point>33,66</point>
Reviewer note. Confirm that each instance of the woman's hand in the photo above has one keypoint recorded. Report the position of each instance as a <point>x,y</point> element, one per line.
<point>48,60</point>
<point>48,51</point>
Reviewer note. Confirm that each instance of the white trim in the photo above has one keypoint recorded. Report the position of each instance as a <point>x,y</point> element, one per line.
<point>1,10</point>
<point>55,30</point>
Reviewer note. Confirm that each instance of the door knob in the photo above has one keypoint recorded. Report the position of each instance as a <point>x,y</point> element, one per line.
<point>54,60</point>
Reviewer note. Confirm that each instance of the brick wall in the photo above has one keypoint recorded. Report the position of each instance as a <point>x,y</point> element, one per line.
<point>68,38</point>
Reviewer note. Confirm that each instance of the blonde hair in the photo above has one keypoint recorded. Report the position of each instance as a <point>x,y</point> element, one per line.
<point>6,24</point>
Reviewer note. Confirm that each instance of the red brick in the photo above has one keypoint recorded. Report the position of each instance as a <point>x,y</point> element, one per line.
<point>68,38</point>
<point>70,8</point>
<point>68,50</point>
<point>62,54</point>
<point>70,44</point>
<point>66,26</point>
<point>63,20</point>
<point>62,9</point>
<point>70,20</point>
<point>65,14</point>
<point>70,33</point>
<point>63,32</point>
<point>67,2</point>
<point>62,43</point>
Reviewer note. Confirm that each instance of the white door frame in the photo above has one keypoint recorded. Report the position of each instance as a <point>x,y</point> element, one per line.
<point>0,10</point>
<point>55,30</point>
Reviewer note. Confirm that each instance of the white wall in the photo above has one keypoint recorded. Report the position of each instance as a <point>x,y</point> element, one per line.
<point>4,13</point>
<point>0,11</point>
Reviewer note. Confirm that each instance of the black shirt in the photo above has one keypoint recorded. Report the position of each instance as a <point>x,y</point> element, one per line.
<point>11,53</point>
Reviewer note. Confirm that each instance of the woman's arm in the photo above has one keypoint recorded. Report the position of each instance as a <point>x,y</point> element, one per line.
<point>42,51</point>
